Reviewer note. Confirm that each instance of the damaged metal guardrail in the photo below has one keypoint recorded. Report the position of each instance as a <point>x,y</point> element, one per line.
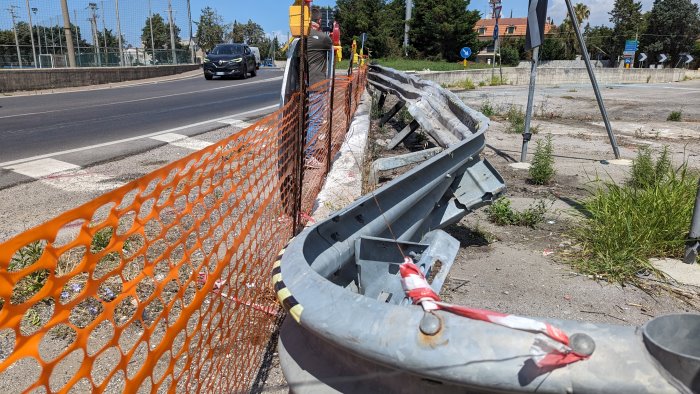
<point>354,330</point>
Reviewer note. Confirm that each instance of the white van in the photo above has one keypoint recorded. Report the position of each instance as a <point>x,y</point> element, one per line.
<point>256,52</point>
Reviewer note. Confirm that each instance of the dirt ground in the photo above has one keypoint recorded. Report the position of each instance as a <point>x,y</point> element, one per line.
<point>523,271</point>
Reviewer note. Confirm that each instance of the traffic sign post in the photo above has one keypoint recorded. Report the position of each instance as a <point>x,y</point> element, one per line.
<point>536,16</point>
<point>466,52</point>
<point>594,81</point>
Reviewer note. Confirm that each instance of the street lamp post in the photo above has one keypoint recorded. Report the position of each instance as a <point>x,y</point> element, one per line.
<point>14,30</point>
<point>31,34</point>
<point>150,24</point>
<point>172,31</point>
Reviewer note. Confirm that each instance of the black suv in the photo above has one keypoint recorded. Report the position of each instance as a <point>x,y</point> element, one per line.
<point>227,60</point>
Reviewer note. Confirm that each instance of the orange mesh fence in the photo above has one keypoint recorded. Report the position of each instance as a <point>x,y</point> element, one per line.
<point>162,285</point>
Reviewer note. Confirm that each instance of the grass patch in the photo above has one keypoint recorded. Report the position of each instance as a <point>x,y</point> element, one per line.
<point>572,90</point>
<point>502,214</point>
<point>648,216</point>
<point>402,64</point>
<point>542,169</point>
<point>375,112</point>
<point>487,109</point>
<point>675,116</point>
<point>482,83</point>
<point>498,81</point>
<point>466,84</point>
<point>516,121</point>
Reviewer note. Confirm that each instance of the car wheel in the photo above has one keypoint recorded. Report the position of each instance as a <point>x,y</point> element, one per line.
<point>208,77</point>
<point>245,73</point>
<point>254,72</point>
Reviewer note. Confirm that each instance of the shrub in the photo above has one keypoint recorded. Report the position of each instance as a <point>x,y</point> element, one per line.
<point>542,169</point>
<point>502,214</point>
<point>487,109</point>
<point>675,116</point>
<point>649,216</point>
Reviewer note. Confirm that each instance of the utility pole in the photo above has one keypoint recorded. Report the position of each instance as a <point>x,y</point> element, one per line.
<point>407,27</point>
<point>77,38</point>
<point>150,24</point>
<point>119,34</point>
<point>68,34</point>
<point>95,36</point>
<point>14,30</point>
<point>31,34</point>
<point>189,20</point>
<point>172,31</point>
<point>104,33</point>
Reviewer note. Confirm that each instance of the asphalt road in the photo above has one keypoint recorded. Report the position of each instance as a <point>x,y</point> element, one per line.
<point>36,126</point>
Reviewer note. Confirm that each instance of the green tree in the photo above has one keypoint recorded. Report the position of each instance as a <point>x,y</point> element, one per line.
<point>598,41</point>
<point>674,26</point>
<point>628,21</point>
<point>161,34</point>
<point>211,29</point>
<point>381,20</point>
<point>439,28</point>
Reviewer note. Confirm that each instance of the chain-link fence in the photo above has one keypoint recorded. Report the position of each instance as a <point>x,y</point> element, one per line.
<point>104,33</point>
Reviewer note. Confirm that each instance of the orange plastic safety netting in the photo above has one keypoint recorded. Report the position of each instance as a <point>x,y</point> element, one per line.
<point>163,284</point>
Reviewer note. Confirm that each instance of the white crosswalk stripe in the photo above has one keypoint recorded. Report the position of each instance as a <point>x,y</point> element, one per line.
<point>182,141</point>
<point>236,123</point>
<point>65,176</point>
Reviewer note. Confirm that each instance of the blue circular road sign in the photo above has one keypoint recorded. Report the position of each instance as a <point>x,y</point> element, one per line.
<point>465,52</point>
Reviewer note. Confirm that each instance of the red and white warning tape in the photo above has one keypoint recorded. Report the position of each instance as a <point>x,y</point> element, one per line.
<point>550,349</point>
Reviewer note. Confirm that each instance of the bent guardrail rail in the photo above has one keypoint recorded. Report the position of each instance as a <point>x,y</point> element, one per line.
<point>353,329</point>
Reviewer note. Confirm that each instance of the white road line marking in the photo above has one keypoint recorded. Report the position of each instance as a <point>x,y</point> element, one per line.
<point>236,122</point>
<point>43,167</point>
<point>65,176</point>
<point>142,99</point>
<point>182,141</point>
<point>48,155</point>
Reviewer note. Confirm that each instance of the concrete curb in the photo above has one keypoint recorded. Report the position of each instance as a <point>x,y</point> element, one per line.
<point>344,182</point>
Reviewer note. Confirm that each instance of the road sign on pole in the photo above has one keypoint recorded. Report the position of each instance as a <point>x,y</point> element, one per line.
<point>536,17</point>
<point>466,52</point>
<point>663,58</point>
<point>642,57</point>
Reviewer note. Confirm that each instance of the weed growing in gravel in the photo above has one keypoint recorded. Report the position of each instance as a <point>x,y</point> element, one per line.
<point>404,117</point>
<point>542,169</point>
<point>487,109</point>
<point>33,282</point>
<point>467,84</point>
<point>646,171</point>
<point>498,81</point>
<point>502,214</point>
<point>516,119</point>
<point>675,116</point>
<point>648,216</point>
<point>482,84</point>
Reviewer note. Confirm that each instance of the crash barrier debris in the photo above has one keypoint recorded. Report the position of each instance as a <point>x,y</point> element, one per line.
<point>163,284</point>
<point>341,280</point>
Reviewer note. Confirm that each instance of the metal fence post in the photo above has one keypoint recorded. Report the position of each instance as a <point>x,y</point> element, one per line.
<point>301,133</point>
<point>693,245</point>
<point>527,135</point>
<point>329,143</point>
<point>594,82</point>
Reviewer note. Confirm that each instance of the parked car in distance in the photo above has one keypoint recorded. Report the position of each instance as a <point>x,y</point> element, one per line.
<point>229,60</point>
<point>256,52</point>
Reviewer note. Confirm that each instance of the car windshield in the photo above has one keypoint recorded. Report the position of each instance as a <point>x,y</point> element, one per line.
<point>228,50</point>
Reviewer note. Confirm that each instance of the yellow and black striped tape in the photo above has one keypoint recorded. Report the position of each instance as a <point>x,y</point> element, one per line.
<point>284,296</point>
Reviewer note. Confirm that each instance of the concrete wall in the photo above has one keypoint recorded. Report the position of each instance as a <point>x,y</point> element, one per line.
<point>558,76</point>
<point>36,79</point>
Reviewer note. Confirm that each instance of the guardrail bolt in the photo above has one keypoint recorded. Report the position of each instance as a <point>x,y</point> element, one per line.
<point>430,324</point>
<point>582,344</point>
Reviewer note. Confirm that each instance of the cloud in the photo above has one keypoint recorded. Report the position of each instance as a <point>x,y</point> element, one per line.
<point>599,10</point>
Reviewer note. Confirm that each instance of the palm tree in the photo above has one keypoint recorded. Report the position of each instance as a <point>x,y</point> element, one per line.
<point>582,13</point>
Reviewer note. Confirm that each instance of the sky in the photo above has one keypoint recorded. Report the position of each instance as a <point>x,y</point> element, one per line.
<point>272,14</point>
